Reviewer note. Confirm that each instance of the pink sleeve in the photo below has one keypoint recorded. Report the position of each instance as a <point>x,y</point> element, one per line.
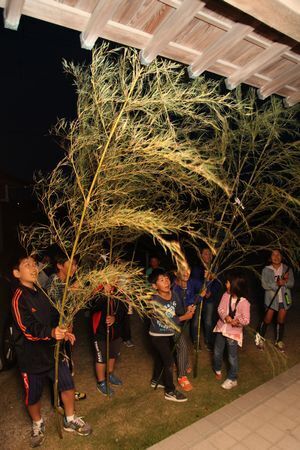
<point>223,306</point>
<point>243,312</point>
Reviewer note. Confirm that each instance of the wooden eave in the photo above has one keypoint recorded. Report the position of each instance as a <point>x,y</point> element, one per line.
<point>254,42</point>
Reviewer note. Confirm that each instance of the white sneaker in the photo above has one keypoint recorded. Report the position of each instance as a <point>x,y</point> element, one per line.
<point>259,341</point>
<point>280,345</point>
<point>229,384</point>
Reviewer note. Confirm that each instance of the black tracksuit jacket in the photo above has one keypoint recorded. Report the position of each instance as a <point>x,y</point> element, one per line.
<point>34,318</point>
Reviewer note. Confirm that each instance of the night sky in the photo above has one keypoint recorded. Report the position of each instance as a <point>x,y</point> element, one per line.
<point>35,92</point>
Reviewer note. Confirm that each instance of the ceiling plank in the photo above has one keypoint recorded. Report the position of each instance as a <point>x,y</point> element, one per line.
<point>169,29</point>
<point>282,80</point>
<point>261,61</point>
<point>218,49</point>
<point>103,11</point>
<point>12,13</point>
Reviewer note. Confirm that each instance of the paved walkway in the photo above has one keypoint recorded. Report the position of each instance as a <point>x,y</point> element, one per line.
<point>267,417</point>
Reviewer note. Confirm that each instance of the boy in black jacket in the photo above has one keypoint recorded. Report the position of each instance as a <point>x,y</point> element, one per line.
<point>35,331</point>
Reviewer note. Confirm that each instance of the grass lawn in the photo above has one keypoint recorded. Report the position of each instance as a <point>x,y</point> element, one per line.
<point>137,416</point>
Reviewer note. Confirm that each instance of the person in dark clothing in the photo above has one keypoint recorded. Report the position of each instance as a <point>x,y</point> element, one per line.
<point>210,299</point>
<point>162,335</point>
<point>126,328</point>
<point>35,331</point>
<point>55,286</point>
<point>107,318</point>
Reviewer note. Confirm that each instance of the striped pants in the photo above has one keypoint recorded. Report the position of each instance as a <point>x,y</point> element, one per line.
<point>182,352</point>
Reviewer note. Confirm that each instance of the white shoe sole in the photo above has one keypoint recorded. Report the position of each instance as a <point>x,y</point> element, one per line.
<point>172,399</point>
<point>70,430</point>
<point>227,388</point>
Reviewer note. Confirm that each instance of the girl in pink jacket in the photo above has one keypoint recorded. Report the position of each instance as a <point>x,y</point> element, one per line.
<point>234,314</point>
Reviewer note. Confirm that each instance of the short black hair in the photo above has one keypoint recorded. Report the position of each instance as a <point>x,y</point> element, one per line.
<point>60,258</point>
<point>153,277</point>
<point>238,284</point>
<point>154,256</point>
<point>205,248</point>
<point>17,258</point>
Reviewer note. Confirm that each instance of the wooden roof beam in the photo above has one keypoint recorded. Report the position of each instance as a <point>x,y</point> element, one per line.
<point>12,13</point>
<point>257,64</point>
<point>292,99</point>
<point>218,49</point>
<point>282,80</point>
<point>102,13</point>
<point>169,29</point>
<point>282,15</point>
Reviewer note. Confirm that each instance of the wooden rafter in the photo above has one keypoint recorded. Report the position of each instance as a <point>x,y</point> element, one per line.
<point>12,13</point>
<point>202,14</point>
<point>170,28</point>
<point>103,11</point>
<point>261,61</point>
<point>292,99</point>
<point>218,48</point>
<point>282,80</point>
<point>283,15</point>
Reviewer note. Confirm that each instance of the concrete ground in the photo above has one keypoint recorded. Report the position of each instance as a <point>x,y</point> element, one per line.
<point>267,417</point>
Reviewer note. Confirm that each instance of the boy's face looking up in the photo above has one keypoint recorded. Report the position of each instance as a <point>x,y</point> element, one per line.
<point>27,272</point>
<point>162,285</point>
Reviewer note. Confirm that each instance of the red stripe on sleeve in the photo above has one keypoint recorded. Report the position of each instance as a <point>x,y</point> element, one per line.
<point>15,304</point>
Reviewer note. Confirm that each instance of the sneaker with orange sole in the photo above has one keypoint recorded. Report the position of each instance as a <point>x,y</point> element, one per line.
<point>218,375</point>
<point>185,384</point>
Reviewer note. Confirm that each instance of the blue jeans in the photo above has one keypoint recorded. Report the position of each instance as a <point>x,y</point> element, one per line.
<point>209,321</point>
<point>232,347</point>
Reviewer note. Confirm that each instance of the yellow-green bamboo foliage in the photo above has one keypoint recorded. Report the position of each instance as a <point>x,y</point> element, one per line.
<point>152,152</point>
<point>135,158</point>
<point>260,144</point>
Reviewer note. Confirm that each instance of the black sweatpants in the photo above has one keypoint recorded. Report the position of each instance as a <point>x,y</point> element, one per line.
<point>163,360</point>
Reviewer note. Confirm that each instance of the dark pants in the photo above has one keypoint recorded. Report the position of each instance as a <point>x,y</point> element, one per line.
<point>209,318</point>
<point>163,360</point>
<point>125,328</point>
<point>232,347</point>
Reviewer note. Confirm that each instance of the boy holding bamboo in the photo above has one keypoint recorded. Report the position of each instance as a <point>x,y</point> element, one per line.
<point>162,335</point>
<point>35,332</point>
<point>108,315</point>
<point>55,287</point>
